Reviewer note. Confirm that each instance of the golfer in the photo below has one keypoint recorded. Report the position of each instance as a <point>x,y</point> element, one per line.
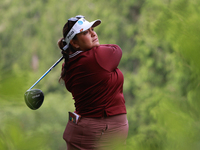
<point>91,75</point>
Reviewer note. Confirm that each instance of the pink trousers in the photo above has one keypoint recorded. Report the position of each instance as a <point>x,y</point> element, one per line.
<point>97,133</point>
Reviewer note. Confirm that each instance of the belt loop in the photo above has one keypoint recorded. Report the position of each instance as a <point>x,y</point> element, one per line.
<point>105,114</point>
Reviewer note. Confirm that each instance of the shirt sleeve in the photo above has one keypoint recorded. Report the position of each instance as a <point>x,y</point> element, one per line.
<point>108,56</point>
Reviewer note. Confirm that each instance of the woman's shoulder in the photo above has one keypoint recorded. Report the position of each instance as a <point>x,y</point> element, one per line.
<point>107,49</point>
<point>107,46</point>
<point>108,56</point>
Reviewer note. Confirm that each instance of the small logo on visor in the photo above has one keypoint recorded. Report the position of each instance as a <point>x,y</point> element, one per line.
<point>81,30</point>
<point>80,22</point>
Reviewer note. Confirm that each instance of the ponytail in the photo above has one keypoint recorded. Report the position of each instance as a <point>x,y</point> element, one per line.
<point>61,43</point>
<point>65,50</point>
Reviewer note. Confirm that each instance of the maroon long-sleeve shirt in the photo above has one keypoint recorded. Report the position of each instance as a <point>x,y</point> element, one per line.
<point>95,81</point>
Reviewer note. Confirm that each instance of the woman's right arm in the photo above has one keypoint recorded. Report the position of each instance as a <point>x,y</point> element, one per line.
<point>108,56</point>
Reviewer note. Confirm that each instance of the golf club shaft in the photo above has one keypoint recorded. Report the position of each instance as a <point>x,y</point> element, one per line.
<point>45,73</point>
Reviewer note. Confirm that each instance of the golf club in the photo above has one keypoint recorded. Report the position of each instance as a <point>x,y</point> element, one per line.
<point>35,97</point>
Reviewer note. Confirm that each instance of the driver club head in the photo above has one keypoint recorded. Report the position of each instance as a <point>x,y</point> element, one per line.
<point>34,98</point>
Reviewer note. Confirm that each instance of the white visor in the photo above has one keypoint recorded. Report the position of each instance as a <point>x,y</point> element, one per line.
<point>80,26</point>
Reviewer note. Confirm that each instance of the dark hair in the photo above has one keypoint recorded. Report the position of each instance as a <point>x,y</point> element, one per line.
<point>61,43</point>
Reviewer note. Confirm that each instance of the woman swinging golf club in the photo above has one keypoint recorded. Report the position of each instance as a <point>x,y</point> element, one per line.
<point>90,73</point>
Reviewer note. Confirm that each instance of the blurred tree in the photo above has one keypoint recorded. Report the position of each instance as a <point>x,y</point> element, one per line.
<point>160,43</point>
<point>13,137</point>
<point>167,81</point>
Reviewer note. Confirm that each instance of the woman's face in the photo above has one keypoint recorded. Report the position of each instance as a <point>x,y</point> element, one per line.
<point>87,40</point>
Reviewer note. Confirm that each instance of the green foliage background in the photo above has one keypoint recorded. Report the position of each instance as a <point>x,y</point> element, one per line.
<point>161,66</point>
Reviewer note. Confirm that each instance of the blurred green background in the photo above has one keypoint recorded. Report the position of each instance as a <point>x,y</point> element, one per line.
<point>160,40</point>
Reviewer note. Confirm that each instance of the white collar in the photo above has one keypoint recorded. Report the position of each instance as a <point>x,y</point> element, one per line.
<point>74,54</point>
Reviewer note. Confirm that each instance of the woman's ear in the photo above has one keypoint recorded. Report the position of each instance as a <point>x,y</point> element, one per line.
<point>74,44</point>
